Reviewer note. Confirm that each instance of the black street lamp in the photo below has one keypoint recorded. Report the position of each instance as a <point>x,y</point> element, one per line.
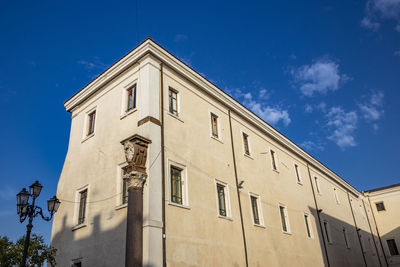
<point>24,210</point>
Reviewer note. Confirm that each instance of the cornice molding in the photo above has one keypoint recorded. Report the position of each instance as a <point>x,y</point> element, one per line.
<point>165,57</point>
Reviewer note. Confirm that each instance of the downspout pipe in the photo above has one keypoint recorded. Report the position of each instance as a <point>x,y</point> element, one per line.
<point>163,163</point>
<point>318,216</point>
<point>357,229</point>
<point>370,229</point>
<point>237,190</point>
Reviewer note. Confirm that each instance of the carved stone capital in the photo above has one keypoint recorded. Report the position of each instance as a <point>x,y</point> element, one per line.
<point>135,149</point>
<point>136,179</point>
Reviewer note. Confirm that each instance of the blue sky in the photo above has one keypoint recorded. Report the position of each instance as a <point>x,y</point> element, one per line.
<point>324,73</point>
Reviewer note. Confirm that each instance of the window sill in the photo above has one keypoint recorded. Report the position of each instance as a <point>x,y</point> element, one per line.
<point>176,117</point>
<point>276,170</point>
<point>225,217</point>
<point>179,205</point>
<point>79,226</point>
<point>259,225</point>
<point>87,137</point>
<point>217,139</point>
<point>247,155</point>
<point>287,233</point>
<point>299,183</point>
<point>121,206</point>
<point>127,113</point>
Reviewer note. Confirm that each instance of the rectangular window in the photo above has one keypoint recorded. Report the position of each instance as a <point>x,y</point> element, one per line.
<point>125,182</point>
<point>254,207</point>
<point>176,185</point>
<point>336,196</point>
<point>346,240</point>
<point>214,125</point>
<point>296,168</point>
<point>82,206</point>
<point>173,102</point>
<point>317,185</point>
<point>131,98</point>
<point>274,166</point>
<point>246,144</point>
<point>284,218</point>
<point>77,264</point>
<point>327,232</point>
<point>380,206</point>
<point>392,247</point>
<point>221,200</point>
<point>308,224</point>
<point>91,121</point>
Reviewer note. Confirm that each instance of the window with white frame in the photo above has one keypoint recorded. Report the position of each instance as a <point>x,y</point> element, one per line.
<point>273,160</point>
<point>298,178</point>
<point>246,145</point>
<point>91,118</point>
<point>256,209</point>
<point>83,194</point>
<point>307,222</point>
<point>173,101</point>
<point>131,98</point>
<point>391,243</point>
<point>283,212</point>
<point>224,209</point>
<point>125,194</point>
<point>327,232</point>
<point>178,184</point>
<point>380,206</point>
<point>336,195</point>
<point>317,185</point>
<point>346,239</point>
<point>214,126</point>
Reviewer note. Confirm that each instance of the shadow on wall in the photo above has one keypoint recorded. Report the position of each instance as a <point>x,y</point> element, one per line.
<point>342,244</point>
<point>91,245</point>
<point>394,234</point>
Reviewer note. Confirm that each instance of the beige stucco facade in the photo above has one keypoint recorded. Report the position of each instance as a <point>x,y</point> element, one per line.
<point>343,227</point>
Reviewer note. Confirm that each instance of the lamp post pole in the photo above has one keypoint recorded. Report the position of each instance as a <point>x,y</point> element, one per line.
<point>26,210</point>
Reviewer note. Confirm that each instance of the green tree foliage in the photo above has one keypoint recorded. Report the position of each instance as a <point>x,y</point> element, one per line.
<point>38,253</point>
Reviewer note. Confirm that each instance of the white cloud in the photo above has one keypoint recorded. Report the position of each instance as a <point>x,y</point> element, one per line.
<point>320,77</point>
<point>180,37</point>
<point>343,124</point>
<point>376,10</point>
<point>271,114</point>
<point>373,110</point>
<point>311,146</point>
<point>308,108</point>
<point>95,64</point>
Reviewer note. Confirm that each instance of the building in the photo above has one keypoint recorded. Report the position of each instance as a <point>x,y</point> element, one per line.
<point>221,186</point>
<point>385,203</point>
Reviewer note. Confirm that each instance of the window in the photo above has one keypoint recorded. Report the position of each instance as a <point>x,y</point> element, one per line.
<point>173,101</point>
<point>91,121</point>
<point>176,185</point>
<point>336,196</point>
<point>317,185</point>
<point>131,98</point>
<point>214,125</point>
<point>246,144</point>
<point>284,218</point>
<point>296,168</point>
<point>392,247</point>
<point>346,240</point>
<point>223,200</point>
<point>273,159</point>
<point>82,206</point>
<point>308,225</point>
<point>380,206</point>
<point>77,264</point>
<point>255,207</point>
<point>125,185</point>
<point>327,232</point>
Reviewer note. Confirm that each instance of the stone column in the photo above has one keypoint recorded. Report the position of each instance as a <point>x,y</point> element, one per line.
<point>135,149</point>
<point>134,229</point>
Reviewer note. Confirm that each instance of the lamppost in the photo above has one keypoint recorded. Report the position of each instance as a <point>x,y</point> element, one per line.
<point>26,210</point>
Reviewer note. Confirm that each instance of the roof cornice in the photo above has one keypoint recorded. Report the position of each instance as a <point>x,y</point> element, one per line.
<point>149,46</point>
